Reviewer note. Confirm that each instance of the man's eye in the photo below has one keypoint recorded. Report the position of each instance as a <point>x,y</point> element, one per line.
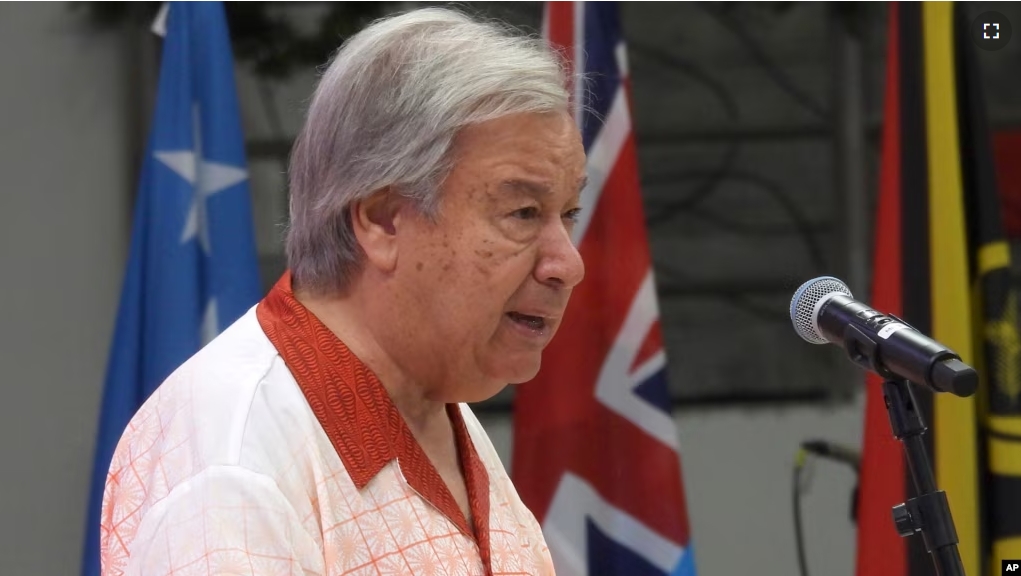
<point>526,213</point>
<point>573,215</point>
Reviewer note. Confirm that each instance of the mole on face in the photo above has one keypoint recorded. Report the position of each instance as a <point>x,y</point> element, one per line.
<point>419,266</point>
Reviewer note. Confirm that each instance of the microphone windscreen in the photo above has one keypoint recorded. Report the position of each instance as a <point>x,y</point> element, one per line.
<point>803,305</point>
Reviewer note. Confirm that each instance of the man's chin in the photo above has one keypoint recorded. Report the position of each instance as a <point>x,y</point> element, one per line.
<point>524,370</point>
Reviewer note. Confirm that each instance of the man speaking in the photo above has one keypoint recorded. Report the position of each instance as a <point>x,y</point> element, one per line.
<point>433,190</point>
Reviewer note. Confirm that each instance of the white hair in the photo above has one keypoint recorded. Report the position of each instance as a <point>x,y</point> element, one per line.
<point>385,114</point>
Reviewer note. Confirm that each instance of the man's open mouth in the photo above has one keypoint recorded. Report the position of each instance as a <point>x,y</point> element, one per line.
<point>532,322</point>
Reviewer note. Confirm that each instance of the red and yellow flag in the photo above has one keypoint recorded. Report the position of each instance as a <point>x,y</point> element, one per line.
<point>941,263</point>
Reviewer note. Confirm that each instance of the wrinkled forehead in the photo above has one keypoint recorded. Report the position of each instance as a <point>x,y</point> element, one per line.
<point>533,154</point>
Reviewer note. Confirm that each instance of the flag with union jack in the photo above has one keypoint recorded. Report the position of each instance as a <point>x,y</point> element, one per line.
<point>595,445</point>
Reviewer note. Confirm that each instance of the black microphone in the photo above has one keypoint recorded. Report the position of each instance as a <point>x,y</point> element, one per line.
<point>835,451</point>
<point>824,311</point>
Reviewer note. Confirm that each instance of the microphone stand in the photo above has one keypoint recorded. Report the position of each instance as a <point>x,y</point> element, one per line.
<point>929,511</point>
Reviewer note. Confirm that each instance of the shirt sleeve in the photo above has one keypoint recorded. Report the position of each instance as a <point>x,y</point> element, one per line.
<point>226,520</point>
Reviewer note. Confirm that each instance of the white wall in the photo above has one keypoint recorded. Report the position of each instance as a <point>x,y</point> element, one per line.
<point>67,171</point>
<point>63,233</point>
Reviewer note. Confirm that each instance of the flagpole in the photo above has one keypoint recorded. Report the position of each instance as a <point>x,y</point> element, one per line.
<point>929,512</point>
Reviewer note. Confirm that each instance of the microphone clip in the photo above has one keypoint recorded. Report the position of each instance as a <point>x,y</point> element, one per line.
<point>863,351</point>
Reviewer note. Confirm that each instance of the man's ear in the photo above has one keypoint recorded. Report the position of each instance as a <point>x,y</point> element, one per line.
<point>374,221</point>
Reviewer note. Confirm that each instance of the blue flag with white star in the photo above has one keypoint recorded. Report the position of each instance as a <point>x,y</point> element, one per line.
<point>192,268</point>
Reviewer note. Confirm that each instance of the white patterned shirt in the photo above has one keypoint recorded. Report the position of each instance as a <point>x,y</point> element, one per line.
<point>275,451</point>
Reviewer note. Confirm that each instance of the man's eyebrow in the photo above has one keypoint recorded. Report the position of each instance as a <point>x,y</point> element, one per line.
<point>530,187</point>
<point>537,189</point>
